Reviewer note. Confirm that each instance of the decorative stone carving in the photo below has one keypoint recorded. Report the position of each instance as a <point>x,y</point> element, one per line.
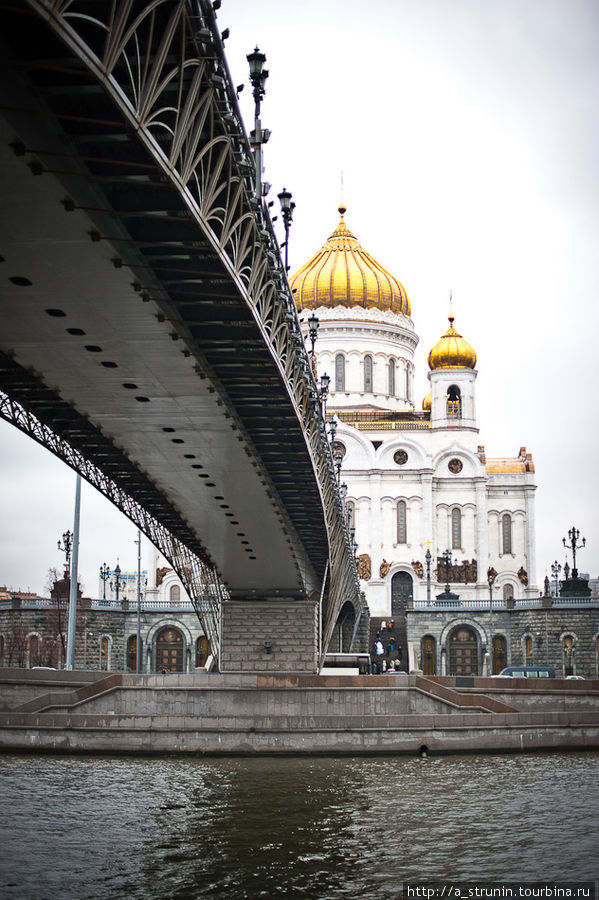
<point>364,570</point>
<point>384,570</point>
<point>418,568</point>
<point>465,573</point>
<point>455,466</point>
<point>523,575</point>
<point>161,573</point>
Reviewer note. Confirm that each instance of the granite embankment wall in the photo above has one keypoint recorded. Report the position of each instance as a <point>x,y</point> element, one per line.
<point>257,714</point>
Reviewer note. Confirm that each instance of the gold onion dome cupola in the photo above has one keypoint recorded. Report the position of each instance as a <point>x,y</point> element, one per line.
<point>342,273</point>
<point>452,351</point>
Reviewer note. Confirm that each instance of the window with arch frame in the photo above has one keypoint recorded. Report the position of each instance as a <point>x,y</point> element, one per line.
<point>402,522</point>
<point>456,529</point>
<point>104,653</point>
<point>506,533</point>
<point>340,372</point>
<point>368,373</point>
<point>508,591</point>
<point>454,402</point>
<point>174,595</point>
<point>392,378</point>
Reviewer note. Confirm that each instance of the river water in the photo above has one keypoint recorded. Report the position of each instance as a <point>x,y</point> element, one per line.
<point>161,828</point>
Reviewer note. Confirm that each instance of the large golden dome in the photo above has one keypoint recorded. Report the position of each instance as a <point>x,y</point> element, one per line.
<point>452,351</point>
<point>342,273</point>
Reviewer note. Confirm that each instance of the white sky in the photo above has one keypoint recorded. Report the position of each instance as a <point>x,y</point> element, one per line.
<point>467,132</point>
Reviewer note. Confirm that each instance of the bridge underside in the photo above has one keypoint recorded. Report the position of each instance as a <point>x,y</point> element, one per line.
<point>122,328</point>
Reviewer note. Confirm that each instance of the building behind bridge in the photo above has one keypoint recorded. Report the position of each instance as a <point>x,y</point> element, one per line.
<point>445,532</point>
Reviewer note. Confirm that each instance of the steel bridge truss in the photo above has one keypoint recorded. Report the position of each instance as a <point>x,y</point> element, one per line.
<point>210,261</point>
<point>198,578</point>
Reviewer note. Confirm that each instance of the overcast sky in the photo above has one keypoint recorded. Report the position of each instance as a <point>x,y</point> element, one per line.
<point>467,133</point>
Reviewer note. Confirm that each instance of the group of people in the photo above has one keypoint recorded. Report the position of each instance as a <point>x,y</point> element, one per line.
<point>380,664</point>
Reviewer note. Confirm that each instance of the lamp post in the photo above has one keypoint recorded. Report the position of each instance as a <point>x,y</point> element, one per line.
<point>491,576</point>
<point>258,76</point>
<point>446,557</point>
<point>333,431</point>
<point>325,381</point>
<point>66,548</point>
<point>138,637</point>
<point>104,575</point>
<point>574,535</point>
<point>287,207</point>
<point>555,570</point>
<point>313,323</point>
<point>117,585</point>
<point>428,557</point>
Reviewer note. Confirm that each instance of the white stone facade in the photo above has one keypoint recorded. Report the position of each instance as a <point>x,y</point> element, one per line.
<point>419,479</point>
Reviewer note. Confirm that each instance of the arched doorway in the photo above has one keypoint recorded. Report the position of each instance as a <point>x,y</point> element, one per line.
<point>429,662</point>
<point>402,588</point>
<point>169,650</point>
<point>463,652</point>
<point>498,654</point>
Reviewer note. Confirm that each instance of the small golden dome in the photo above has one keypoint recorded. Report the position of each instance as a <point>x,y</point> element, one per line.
<point>452,351</point>
<point>426,403</point>
<point>342,273</point>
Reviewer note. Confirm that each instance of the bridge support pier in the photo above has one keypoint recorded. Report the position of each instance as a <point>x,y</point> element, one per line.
<point>269,636</point>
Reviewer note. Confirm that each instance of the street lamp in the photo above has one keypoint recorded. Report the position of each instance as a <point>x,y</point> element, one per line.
<point>325,381</point>
<point>555,570</point>
<point>574,534</point>
<point>104,575</point>
<point>446,558</point>
<point>287,207</point>
<point>66,548</point>
<point>258,76</point>
<point>491,576</point>
<point>117,585</point>
<point>313,323</point>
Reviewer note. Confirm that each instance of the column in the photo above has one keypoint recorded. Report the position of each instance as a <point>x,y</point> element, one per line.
<point>530,540</point>
<point>482,531</point>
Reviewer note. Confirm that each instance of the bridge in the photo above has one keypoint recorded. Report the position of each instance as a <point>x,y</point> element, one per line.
<point>148,335</point>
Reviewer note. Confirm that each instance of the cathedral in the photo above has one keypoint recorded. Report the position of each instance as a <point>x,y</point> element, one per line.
<point>437,520</point>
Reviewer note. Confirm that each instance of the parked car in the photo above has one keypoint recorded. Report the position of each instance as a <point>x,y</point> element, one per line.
<point>576,677</point>
<point>529,671</point>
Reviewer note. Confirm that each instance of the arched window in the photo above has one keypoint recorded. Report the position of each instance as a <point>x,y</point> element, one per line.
<point>528,649</point>
<point>104,645</point>
<point>508,591</point>
<point>175,594</point>
<point>506,533</point>
<point>368,373</point>
<point>407,383</point>
<point>169,650</point>
<point>392,378</point>
<point>456,529</point>
<point>402,522</point>
<point>350,513</point>
<point>202,651</point>
<point>340,372</point>
<point>132,653</point>
<point>454,403</point>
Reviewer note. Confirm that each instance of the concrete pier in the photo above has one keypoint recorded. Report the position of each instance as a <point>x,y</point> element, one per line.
<point>93,712</point>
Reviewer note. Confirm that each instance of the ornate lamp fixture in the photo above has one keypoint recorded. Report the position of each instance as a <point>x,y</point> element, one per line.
<point>287,207</point>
